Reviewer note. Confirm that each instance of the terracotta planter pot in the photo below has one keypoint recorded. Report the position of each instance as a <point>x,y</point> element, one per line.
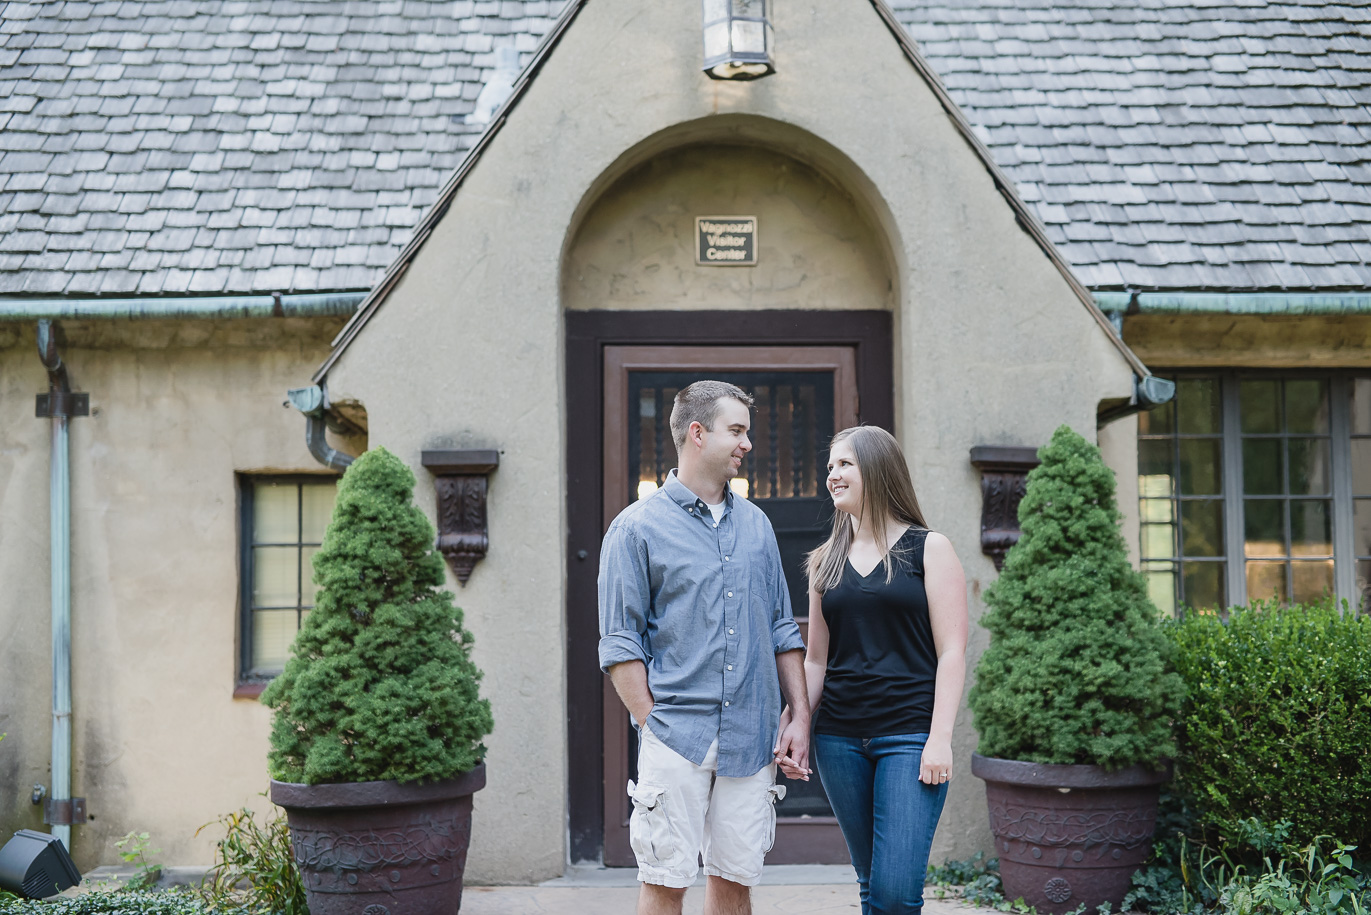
<point>381,848</point>
<point>1067,835</point>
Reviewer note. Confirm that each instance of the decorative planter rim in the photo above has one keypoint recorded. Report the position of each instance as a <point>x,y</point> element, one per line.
<point>1044,775</point>
<point>342,795</point>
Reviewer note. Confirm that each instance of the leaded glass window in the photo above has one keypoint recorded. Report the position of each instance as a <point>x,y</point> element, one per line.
<point>1180,461</point>
<point>283,525</point>
<point>1256,486</point>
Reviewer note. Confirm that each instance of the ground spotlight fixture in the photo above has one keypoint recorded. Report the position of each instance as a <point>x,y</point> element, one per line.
<point>36,865</point>
<point>738,39</point>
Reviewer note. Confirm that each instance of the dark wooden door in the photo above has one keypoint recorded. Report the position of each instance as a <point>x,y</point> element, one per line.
<point>803,395</point>
<point>595,777</point>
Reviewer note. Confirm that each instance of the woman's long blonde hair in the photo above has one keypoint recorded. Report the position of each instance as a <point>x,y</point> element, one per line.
<point>887,494</point>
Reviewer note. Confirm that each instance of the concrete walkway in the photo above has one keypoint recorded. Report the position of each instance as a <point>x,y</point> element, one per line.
<point>792,890</point>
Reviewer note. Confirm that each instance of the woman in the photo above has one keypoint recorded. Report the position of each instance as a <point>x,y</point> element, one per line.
<point>884,667</point>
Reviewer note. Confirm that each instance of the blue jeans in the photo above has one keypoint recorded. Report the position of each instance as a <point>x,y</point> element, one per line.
<point>886,814</point>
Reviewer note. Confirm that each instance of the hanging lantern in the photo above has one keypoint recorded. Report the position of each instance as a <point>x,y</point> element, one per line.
<point>739,39</point>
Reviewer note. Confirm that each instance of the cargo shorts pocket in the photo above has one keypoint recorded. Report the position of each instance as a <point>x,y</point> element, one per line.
<point>773,794</point>
<point>655,842</point>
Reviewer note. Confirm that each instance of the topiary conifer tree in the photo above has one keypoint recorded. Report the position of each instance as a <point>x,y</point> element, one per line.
<point>380,683</point>
<point>1078,669</point>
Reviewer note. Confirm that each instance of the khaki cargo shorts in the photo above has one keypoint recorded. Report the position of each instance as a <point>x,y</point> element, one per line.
<point>682,811</point>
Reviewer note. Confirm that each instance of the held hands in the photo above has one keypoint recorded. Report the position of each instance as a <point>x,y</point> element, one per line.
<point>791,752</point>
<point>935,768</point>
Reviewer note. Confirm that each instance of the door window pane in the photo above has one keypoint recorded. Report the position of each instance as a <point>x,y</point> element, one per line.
<point>1262,466</point>
<point>1202,528</point>
<point>1306,406</point>
<point>1203,584</point>
<point>792,421</point>
<point>1260,406</point>
<point>1266,580</point>
<point>1201,466</point>
<point>1197,403</point>
<point>1311,470</point>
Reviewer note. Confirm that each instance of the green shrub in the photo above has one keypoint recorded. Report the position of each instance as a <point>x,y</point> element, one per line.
<point>1277,723</point>
<point>108,902</point>
<point>1078,669</point>
<point>1256,871</point>
<point>380,684</point>
<point>254,868</point>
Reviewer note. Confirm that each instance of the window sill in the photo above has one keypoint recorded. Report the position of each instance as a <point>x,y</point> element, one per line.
<point>250,689</point>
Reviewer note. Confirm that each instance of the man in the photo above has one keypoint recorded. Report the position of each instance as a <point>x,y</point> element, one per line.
<point>696,633</point>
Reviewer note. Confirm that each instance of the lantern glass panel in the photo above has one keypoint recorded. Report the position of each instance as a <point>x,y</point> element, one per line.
<point>716,40</point>
<point>715,10</point>
<point>748,38</point>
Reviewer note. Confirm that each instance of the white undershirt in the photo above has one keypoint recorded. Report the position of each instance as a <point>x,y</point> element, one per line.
<point>716,510</point>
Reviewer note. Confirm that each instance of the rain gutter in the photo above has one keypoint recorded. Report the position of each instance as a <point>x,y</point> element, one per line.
<point>268,305</point>
<point>1234,303</point>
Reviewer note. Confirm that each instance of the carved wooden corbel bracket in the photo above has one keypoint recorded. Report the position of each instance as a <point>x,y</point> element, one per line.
<point>460,478</point>
<point>1004,471</point>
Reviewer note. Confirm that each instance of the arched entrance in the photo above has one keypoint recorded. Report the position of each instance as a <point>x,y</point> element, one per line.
<point>807,330</point>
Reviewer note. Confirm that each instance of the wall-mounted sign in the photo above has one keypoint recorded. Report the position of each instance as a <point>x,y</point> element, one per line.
<point>728,241</point>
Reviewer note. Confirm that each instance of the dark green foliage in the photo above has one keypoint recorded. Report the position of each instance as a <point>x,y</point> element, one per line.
<point>107,902</point>
<point>254,868</point>
<point>1277,723</point>
<point>1078,669</point>
<point>380,684</point>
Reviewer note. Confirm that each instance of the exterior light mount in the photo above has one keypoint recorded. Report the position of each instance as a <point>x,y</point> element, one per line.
<point>738,39</point>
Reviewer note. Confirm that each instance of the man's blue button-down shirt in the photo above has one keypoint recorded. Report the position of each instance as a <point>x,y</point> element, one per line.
<point>704,606</point>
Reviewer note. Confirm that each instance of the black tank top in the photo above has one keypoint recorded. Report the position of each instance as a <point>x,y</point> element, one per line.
<point>882,664</point>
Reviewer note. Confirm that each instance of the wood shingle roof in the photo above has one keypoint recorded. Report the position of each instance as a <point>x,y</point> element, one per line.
<point>209,146</point>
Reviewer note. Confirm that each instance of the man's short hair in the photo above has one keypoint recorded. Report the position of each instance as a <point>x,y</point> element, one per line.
<point>699,403</point>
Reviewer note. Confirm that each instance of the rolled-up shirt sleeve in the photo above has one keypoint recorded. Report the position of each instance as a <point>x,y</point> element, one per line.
<point>785,632</point>
<point>625,596</point>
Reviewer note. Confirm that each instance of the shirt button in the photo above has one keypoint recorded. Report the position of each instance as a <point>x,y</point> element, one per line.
<point>716,523</point>
<point>730,632</point>
<point>725,559</point>
<point>730,593</point>
<point>725,703</point>
<point>730,667</point>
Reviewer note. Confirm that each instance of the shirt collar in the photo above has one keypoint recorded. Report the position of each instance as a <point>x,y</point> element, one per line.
<point>682,496</point>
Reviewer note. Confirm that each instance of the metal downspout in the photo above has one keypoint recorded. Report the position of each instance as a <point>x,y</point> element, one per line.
<point>59,405</point>
<point>313,402</point>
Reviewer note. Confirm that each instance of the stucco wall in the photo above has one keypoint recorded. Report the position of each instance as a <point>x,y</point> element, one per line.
<point>1258,341</point>
<point>636,248</point>
<point>177,408</point>
<point>991,346</point>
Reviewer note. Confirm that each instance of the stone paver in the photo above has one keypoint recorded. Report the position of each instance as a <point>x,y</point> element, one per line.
<point>823,899</point>
<point>793,890</point>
